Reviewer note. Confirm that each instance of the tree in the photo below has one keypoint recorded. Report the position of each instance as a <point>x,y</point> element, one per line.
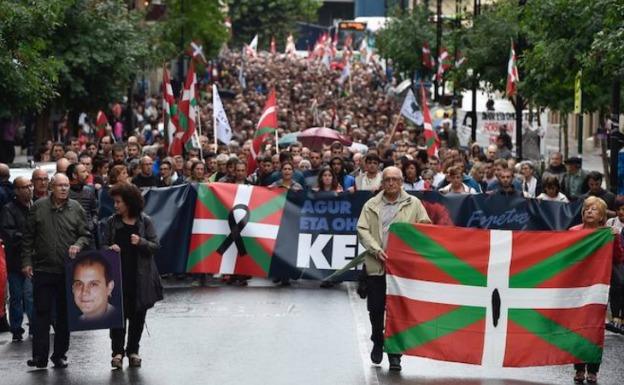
<point>188,20</point>
<point>101,47</point>
<point>28,74</point>
<point>403,38</point>
<point>268,18</point>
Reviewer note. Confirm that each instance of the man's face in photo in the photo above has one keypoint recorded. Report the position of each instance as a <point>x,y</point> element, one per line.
<point>90,290</point>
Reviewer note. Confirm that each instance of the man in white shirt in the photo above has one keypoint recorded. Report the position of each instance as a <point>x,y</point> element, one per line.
<point>371,179</point>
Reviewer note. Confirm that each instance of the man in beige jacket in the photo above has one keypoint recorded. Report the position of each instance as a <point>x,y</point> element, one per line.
<point>390,205</point>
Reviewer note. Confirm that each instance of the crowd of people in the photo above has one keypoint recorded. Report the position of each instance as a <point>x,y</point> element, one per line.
<point>45,219</point>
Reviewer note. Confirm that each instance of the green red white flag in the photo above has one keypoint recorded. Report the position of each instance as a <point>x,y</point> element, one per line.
<point>431,137</point>
<point>513,78</point>
<point>495,297</point>
<point>266,127</point>
<point>234,229</point>
<point>170,108</point>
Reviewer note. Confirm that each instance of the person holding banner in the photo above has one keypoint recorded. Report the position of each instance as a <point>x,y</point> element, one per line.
<point>131,233</point>
<point>327,181</point>
<point>594,215</point>
<point>390,205</point>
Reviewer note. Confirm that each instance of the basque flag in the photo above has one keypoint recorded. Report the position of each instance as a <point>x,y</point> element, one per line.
<point>496,297</point>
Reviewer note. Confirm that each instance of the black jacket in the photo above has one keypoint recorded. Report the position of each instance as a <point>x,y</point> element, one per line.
<point>12,225</point>
<point>149,287</point>
<point>85,195</point>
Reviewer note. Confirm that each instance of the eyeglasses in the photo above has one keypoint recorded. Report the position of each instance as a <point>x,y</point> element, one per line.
<point>24,187</point>
<point>41,179</point>
<point>392,179</point>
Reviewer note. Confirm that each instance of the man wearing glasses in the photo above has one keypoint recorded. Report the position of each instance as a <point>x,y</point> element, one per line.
<point>12,224</point>
<point>392,204</point>
<point>56,229</point>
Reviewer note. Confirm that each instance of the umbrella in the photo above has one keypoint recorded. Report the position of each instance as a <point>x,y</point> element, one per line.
<point>316,137</point>
<point>288,139</point>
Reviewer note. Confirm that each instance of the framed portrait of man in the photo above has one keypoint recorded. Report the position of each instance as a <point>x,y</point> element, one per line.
<point>94,291</point>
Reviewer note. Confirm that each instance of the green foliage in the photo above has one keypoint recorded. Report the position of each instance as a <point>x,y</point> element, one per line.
<point>607,47</point>
<point>28,74</point>
<point>188,20</point>
<point>488,42</point>
<point>403,38</point>
<point>560,34</point>
<point>268,18</point>
<point>102,46</point>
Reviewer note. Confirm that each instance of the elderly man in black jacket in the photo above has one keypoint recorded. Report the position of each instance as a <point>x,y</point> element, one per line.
<point>56,230</point>
<point>12,224</point>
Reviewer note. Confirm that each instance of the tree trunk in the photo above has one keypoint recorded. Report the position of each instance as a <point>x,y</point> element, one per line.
<point>564,127</point>
<point>42,128</point>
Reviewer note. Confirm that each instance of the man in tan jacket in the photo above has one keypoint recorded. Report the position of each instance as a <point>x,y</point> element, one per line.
<point>390,205</point>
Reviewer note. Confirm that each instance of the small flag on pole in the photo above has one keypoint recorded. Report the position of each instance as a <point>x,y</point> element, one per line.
<point>512,73</point>
<point>223,131</point>
<point>411,109</point>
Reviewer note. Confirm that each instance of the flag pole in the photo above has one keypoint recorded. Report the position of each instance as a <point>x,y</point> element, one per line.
<point>214,121</point>
<point>394,127</point>
<point>276,141</point>
<point>201,150</point>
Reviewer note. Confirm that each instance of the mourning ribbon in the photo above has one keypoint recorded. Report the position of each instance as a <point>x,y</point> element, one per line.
<point>236,229</point>
<point>496,307</point>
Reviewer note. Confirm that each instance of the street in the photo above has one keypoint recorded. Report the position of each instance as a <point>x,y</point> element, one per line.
<point>263,334</point>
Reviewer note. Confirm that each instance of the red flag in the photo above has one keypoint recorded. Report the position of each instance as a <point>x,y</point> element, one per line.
<point>431,138</point>
<point>443,64</point>
<point>265,128</point>
<point>101,122</point>
<point>512,73</point>
<point>186,114</point>
<point>427,59</point>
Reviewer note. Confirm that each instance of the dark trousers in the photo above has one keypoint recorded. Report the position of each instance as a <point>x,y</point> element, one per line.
<point>134,324</point>
<point>616,291</point>
<point>49,296</point>
<point>591,368</point>
<point>20,302</point>
<point>376,304</point>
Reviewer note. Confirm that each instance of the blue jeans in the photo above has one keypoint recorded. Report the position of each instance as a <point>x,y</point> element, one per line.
<point>20,301</point>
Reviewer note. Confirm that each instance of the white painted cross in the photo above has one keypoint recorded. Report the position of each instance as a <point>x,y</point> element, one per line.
<point>497,278</point>
<point>221,227</point>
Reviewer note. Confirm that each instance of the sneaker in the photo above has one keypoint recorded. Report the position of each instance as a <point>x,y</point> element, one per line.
<point>17,337</point>
<point>613,327</point>
<point>377,354</point>
<point>395,362</point>
<point>59,363</point>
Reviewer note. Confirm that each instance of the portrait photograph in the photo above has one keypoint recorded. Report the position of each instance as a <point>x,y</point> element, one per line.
<point>94,291</point>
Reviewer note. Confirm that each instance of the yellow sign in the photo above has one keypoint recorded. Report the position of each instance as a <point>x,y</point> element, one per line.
<point>577,94</point>
<point>352,26</point>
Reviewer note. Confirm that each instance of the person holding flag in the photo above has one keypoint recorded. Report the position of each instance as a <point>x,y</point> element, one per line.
<point>390,205</point>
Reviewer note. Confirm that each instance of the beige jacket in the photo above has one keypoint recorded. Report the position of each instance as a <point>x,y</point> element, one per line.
<point>369,226</point>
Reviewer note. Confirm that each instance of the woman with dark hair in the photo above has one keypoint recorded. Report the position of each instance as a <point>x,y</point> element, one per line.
<point>338,167</point>
<point>327,181</point>
<point>131,233</point>
<point>552,192</point>
<point>100,171</point>
<point>287,182</point>
<point>594,216</point>
<point>198,172</point>
<point>411,171</point>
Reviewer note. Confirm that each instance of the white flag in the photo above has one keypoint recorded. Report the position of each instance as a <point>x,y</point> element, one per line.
<point>222,128</point>
<point>411,109</point>
<point>253,46</point>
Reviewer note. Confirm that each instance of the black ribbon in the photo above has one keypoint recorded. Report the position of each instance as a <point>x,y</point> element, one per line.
<point>236,229</point>
<point>496,307</point>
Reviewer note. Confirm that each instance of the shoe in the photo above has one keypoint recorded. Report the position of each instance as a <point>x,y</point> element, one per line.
<point>117,361</point>
<point>592,378</point>
<point>613,327</point>
<point>327,284</point>
<point>377,354</point>
<point>579,377</point>
<point>17,337</point>
<point>135,360</point>
<point>395,362</point>
<point>59,363</point>
<point>39,364</point>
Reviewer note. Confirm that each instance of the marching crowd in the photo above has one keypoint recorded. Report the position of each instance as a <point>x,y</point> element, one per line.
<point>44,219</point>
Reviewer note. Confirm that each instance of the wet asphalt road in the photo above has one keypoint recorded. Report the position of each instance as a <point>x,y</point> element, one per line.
<point>263,334</point>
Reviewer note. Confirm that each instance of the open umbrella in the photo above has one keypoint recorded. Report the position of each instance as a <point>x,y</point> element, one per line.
<point>288,139</point>
<point>316,137</point>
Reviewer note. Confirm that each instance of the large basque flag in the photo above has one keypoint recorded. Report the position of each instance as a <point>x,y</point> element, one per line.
<point>497,297</point>
<point>235,229</point>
